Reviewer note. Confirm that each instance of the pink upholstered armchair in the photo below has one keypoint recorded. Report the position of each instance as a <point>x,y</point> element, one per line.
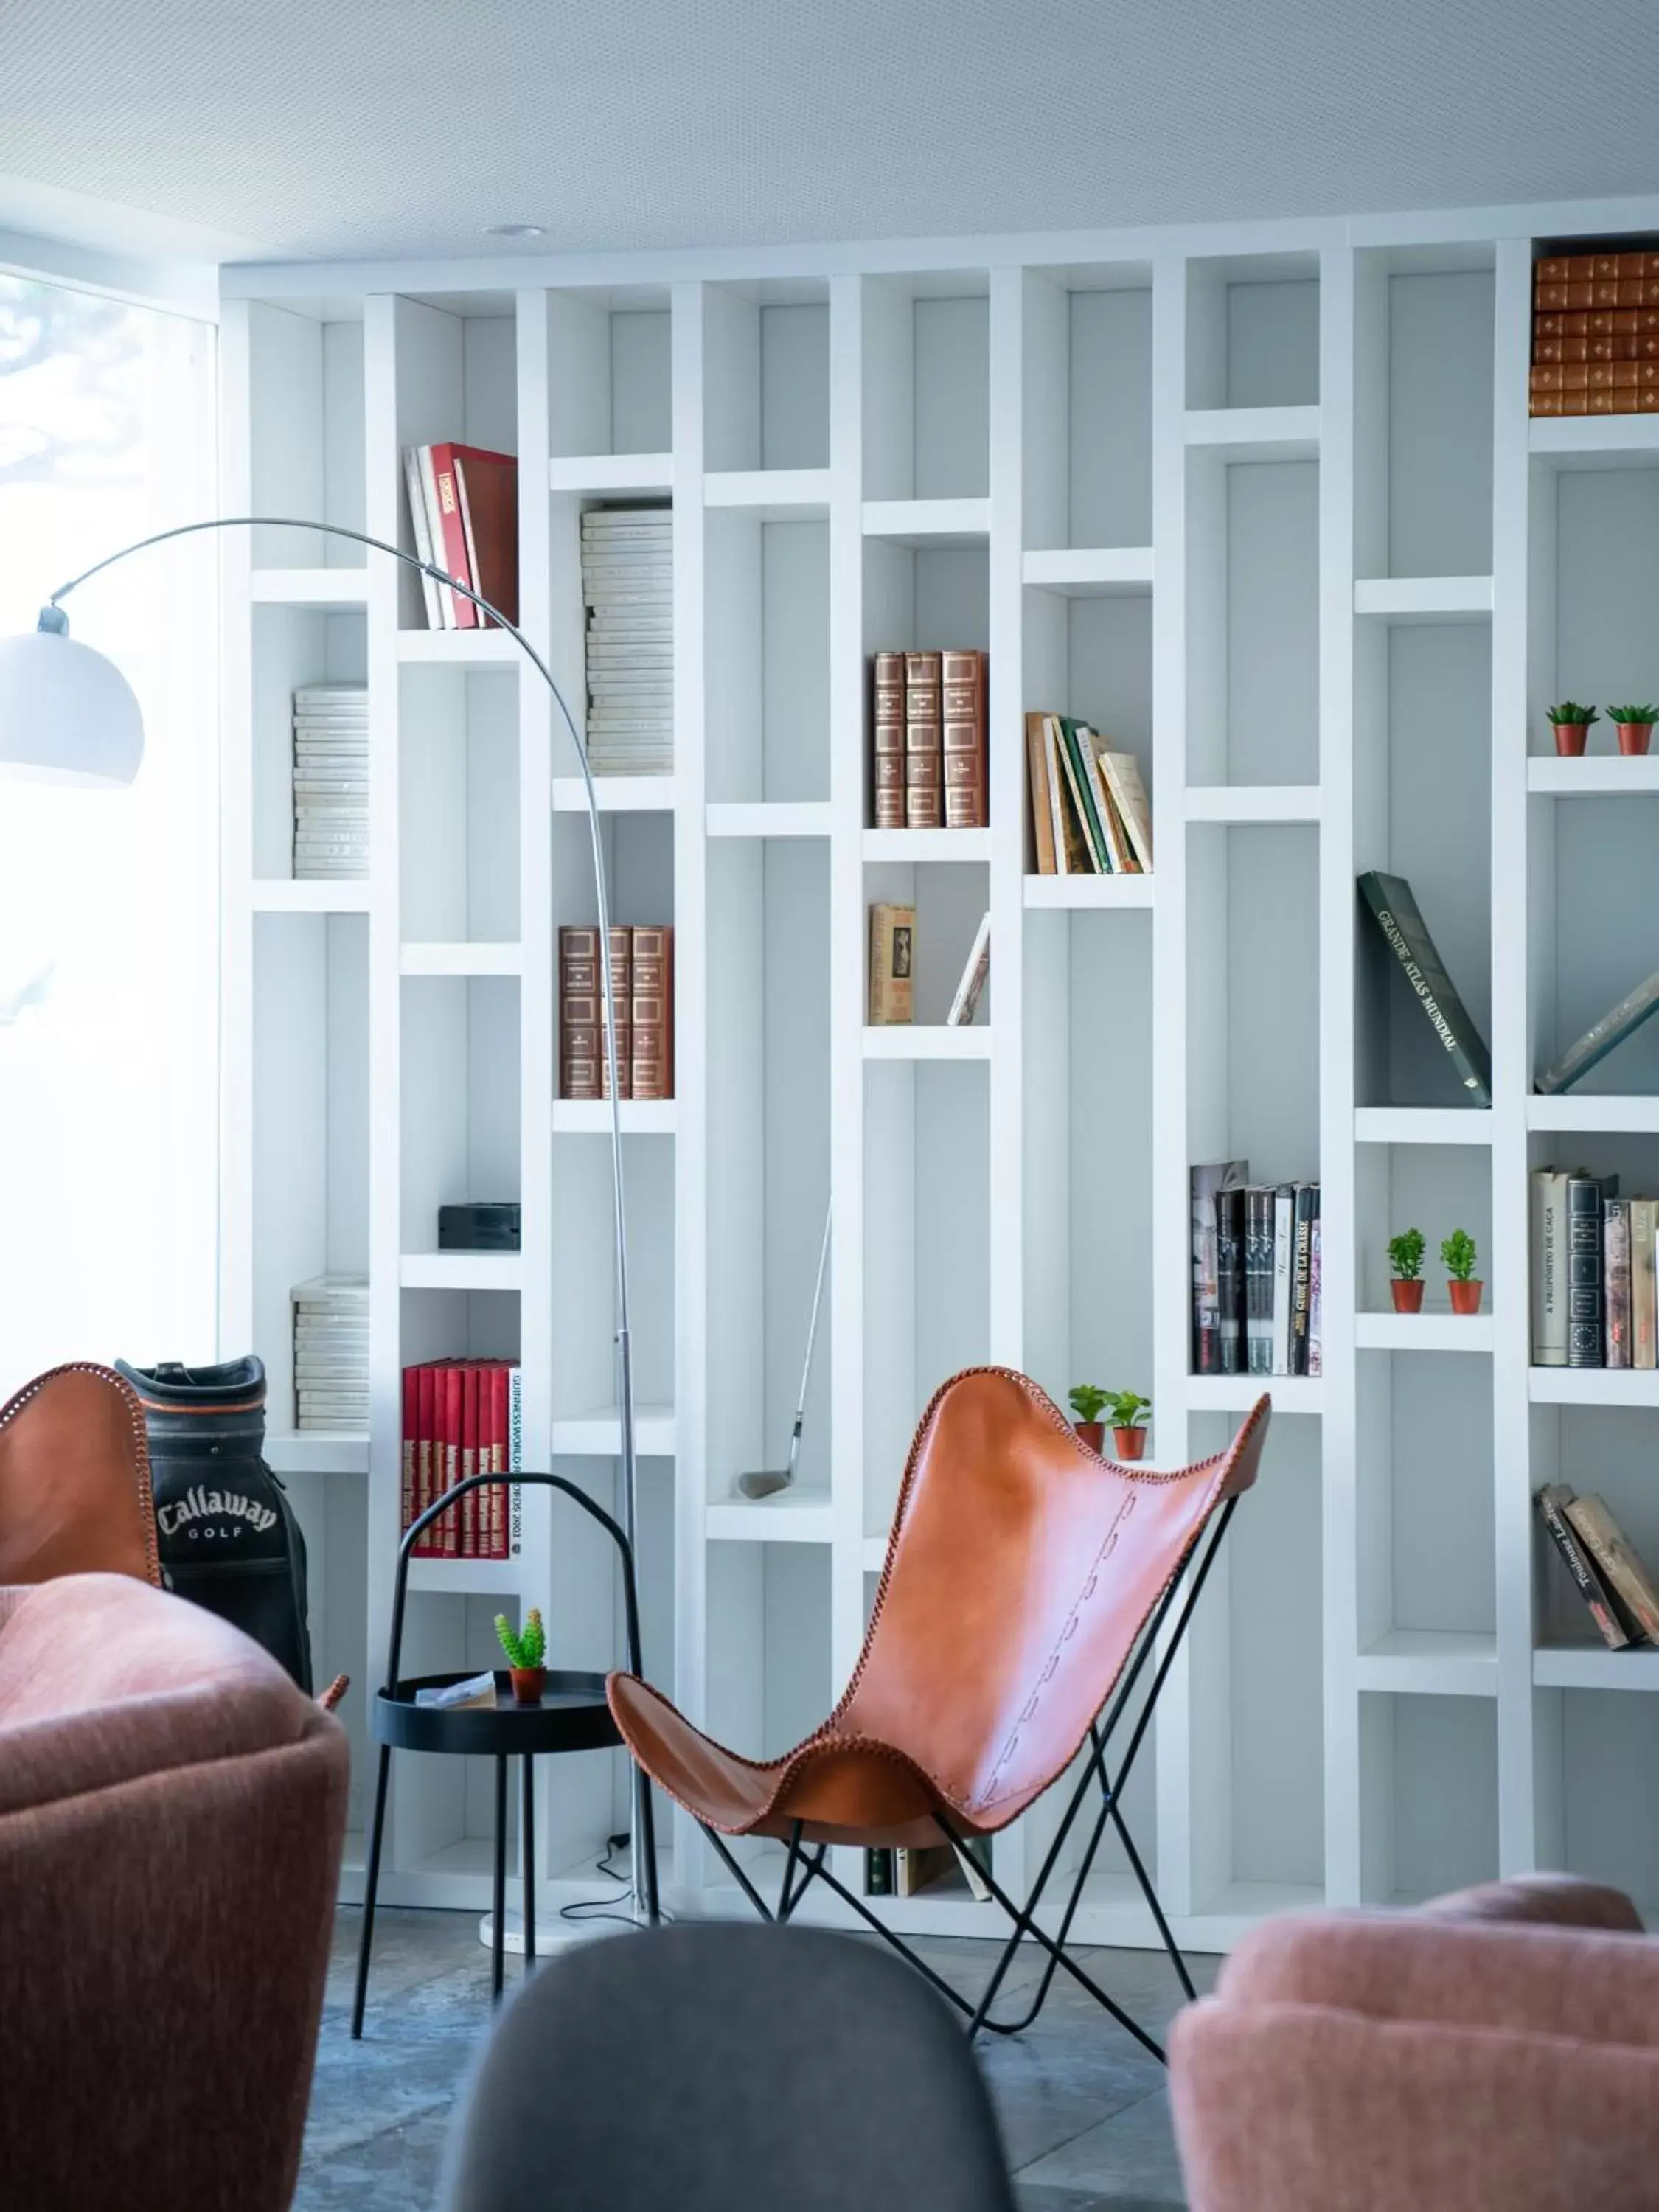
<point>171,1816</point>
<point>1496,2053</point>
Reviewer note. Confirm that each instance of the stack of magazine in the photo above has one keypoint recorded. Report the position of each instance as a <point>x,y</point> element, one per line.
<point>628,589</point>
<point>330,779</point>
<point>330,1353</point>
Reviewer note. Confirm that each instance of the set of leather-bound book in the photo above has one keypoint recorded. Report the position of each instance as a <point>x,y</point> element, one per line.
<point>1596,334</point>
<point>927,769</point>
<point>642,979</point>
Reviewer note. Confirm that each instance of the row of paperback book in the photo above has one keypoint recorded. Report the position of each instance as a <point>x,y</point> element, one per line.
<point>1606,1570</point>
<point>908,1873</point>
<point>331,781</point>
<point>1089,811</point>
<point>464,517</point>
<point>928,723</point>
<point>642,982</point>
<point>1596,334</point>
<point>1256,1305</point>
<point>628,591</point>
<point>461,1418</point>
<point>1594,1282</point>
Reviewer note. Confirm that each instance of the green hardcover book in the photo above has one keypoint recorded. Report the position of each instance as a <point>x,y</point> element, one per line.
<point>1083,785</point>
<point>1388,900</point>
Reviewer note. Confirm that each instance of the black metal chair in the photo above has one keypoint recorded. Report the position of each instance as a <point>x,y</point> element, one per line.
<point>713,2067</point>
<point>573,1715</point>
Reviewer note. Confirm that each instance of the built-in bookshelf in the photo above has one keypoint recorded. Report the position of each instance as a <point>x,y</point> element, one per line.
<point>1267,507</point>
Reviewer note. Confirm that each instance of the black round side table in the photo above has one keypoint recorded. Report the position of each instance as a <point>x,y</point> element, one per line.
<point>573,1715</point>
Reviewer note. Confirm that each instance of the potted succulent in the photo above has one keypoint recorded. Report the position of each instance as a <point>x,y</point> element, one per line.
<point>1088,1402</point>
<point>1406,1259</point>
<point>1127,1410</point>
<point>1571,724</point>
<point>1634,725</point>
<point>1459,1254</point>
<point>525,1649</point>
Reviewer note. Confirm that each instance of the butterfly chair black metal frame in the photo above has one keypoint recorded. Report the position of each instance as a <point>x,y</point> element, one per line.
<point>1082,1575</point>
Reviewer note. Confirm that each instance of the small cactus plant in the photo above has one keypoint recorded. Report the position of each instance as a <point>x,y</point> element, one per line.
<point>1572,714</point>
<point>525,1646</point>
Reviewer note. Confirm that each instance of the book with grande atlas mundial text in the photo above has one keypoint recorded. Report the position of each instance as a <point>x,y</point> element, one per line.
<point>1391,906</point>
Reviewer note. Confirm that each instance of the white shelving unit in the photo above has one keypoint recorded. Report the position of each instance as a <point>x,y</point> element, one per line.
<point>1265,503</point>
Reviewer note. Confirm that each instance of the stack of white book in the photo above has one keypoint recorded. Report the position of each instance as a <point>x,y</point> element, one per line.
<point>330,779</point>
<point>628,587</point>
<point>331,1353</point>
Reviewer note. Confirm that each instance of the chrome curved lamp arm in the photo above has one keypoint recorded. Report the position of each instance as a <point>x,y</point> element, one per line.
<point>53,620</point>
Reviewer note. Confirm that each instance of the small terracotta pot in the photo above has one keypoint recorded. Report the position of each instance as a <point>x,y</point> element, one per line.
<point>1407,1296</point>
<point>1131,1442</point>
<point>528,1683</point>
<point>1093,1434</point>
<point>1634,737</point>
<point>1569,738</point>
<point>1465,1296</point>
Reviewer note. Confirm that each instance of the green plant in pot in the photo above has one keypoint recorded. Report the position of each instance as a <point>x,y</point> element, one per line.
<point>1634,725</point>
<point>1460,1256</point>
<point>1571,725</point>
<point>526,1651</point>
<point>1126,1411</point>
<point>1088,1402</point>
<point>1406,1261</point>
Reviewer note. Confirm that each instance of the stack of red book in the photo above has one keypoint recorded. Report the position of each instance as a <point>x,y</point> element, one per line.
<point>462,1417</point>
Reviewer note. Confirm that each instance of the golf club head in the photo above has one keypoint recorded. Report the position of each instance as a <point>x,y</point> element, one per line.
<point>764,1481</point>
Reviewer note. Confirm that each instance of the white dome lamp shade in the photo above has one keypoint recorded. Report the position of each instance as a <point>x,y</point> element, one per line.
<point>67,714</point>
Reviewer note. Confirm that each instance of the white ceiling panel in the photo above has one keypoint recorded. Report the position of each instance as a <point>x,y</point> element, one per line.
<point>376,127</point>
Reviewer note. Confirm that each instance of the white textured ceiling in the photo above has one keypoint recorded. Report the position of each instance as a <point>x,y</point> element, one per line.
<point>359,127</point>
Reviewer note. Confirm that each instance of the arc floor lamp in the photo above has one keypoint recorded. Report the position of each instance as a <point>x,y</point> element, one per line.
<point>68,716</point>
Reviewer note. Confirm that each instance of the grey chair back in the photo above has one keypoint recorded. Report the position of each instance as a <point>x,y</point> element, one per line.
<point>716,2068</point>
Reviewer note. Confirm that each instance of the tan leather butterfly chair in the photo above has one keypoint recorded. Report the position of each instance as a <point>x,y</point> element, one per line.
<point>75,1495</point>
<point>1026,1581</point>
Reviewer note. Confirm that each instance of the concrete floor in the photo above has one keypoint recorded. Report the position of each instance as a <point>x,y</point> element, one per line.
<point>1084,2109</point>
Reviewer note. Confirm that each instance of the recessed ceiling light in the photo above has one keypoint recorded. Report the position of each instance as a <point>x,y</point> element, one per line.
<point>513,230</point>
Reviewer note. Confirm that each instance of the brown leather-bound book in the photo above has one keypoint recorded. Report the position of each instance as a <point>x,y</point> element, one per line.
<point>1548,350</point>
<point>924,742</point>
<point>965,695</point>
<point>1564,326</point>
<point>622,986</point>
<point>1621,348</point>
<point>1562,376</point>
<point>583,1071</point>
<point>579,1012</point>
<point>653,1012</point>
<point>1553,298</point>
<point>1563,269</point>
<point>487,484</point>
<point>887,756</point>
<point>1548,402</point>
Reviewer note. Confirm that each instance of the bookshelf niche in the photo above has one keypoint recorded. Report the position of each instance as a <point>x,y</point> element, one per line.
<point>1268,510</point>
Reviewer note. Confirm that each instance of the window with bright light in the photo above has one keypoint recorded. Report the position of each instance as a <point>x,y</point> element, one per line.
<point>109,900</point>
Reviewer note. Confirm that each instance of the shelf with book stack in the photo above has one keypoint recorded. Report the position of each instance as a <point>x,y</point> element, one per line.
<point>304,663</point>
<point>455,398</point>
<point>1266,506</point>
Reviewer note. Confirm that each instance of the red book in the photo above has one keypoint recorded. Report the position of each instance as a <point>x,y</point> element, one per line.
<point>488,487</point>
<point>449,531</point>
<point>425,1431</point>
<point>450,1433</point>
<point>468,1532</point>
<point>411,1421</point>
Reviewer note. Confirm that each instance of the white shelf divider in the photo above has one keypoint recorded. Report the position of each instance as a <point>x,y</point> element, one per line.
<point>1254,434</point>
<point>607,476</point>
<point>1090,572</point>
<point>1422,599</point>
<point>1422,1125</point>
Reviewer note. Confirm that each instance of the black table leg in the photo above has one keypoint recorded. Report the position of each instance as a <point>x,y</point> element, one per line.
<point>372,1882</point>
<point>527,1869</point>
<point>498,1951</point>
